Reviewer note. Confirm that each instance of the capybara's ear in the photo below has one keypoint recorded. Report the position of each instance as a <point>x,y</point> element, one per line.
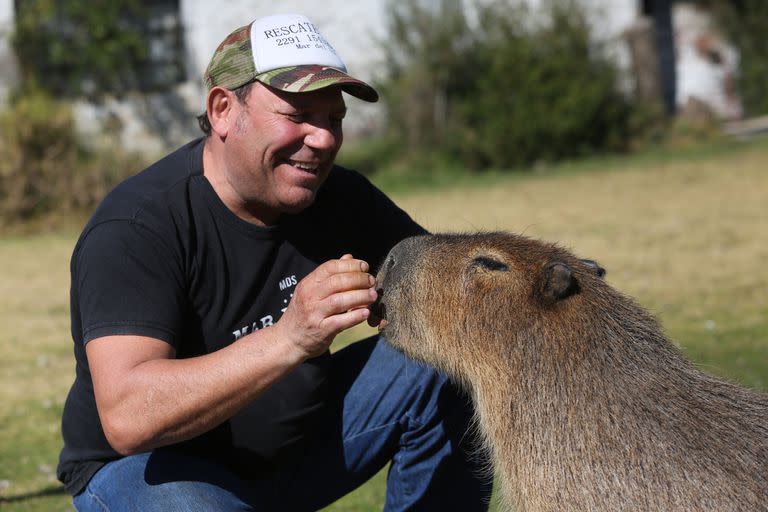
<point>556,282</point>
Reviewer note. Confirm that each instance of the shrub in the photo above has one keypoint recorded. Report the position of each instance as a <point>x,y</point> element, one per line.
<point>425,67</point>
<point>512,90</point>
<point>44,168</point>
<point>38,146</point>
<point>542,93</point>
<point>73,47</point>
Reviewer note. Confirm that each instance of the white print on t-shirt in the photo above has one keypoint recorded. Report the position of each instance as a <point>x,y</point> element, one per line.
<point>287,282</point>
<point>267,320</point>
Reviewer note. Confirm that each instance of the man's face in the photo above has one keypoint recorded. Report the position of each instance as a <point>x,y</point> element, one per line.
<point>282,147</point>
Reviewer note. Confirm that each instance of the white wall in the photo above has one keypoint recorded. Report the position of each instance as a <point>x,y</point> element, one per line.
<point>609,20</point>
<point>706,63</point>
<point>8,76</point>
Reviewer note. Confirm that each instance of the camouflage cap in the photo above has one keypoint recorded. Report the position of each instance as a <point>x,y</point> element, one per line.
<point>285,51</point>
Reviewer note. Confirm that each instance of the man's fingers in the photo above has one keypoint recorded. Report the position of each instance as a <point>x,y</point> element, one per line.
<point>348,300</point>
<point>330,299</point>
<point>336,276</point>
<point>342,321</point>
<point>309,291</point>
<point>346,282</point>
<point>316,310</point>
<point>340,266</point>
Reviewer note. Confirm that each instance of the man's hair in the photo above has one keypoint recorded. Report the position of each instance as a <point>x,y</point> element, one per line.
<point>241,93</point>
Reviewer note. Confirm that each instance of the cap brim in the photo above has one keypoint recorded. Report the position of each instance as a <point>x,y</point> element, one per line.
<point>313,77</point>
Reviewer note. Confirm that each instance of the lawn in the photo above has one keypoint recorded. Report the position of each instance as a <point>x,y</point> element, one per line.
<point>685,234</point>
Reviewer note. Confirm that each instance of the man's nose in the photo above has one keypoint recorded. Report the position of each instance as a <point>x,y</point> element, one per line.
<point>322,136</point>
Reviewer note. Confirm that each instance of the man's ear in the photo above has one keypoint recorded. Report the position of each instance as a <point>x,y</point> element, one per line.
<point>556,282</point>
<point>219,106</point>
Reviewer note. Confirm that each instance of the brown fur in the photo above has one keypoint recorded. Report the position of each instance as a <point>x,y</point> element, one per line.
<point>582,402</point>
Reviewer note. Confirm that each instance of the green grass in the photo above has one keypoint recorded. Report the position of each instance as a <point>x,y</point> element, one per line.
<point>683,232</point>
<point>439,172</point>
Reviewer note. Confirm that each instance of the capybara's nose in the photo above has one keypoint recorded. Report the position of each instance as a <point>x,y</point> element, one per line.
<point>377,309</point>
<point>389,263</point>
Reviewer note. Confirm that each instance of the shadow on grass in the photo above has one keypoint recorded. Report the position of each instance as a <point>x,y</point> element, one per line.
<point>48,491</point>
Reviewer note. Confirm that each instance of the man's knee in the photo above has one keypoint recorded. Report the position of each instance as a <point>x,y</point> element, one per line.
<point>163,481</point>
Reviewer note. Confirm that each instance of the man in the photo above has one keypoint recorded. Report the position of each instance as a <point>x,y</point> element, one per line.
<point>206,291</point>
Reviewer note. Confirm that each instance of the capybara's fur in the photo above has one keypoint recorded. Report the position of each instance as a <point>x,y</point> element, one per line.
<point>582,402</point>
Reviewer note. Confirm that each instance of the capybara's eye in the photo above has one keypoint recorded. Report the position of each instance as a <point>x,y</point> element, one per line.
<point>486,263</point>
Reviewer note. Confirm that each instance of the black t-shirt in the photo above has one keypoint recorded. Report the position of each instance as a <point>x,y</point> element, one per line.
<point>162,256</point>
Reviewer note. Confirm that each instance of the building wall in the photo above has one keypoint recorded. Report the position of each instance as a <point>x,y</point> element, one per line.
<point>706,63</point>
<point>8,76</point>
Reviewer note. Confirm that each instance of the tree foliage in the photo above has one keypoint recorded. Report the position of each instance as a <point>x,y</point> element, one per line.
<point>74,47</point>
<point>44,169</point>
<point>505,89</point>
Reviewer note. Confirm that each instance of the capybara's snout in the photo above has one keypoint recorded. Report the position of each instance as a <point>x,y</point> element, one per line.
<point>402,254</point>
<point>392,272</point>
<point>400,261</point>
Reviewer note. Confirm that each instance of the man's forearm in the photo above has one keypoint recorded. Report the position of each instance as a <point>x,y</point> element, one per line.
<point>163,401</point>
<point>147,398</point>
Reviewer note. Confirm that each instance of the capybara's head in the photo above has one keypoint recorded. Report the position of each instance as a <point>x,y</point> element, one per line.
<point>463,302</point>
<point>582,401</point>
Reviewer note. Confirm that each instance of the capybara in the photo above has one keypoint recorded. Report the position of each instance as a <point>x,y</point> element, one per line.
<point>581,401</point>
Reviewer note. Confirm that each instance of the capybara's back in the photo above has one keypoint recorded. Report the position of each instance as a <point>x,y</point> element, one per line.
<point>583,403</point>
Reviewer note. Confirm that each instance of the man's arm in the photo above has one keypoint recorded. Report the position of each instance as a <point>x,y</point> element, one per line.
<point>146,398</point>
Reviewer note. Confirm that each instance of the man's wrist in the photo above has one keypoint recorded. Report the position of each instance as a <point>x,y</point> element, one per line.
<point>284,346</point>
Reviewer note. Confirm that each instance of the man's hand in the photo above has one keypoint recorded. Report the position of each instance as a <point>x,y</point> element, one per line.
<point>332,298</point>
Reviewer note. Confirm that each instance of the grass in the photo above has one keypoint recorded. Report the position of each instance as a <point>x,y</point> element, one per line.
<point>683,233</point>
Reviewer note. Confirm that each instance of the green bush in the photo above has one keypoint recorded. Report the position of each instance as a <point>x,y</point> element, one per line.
<point>38,142</point>
<point>43,167</point>
<point>80,48</point>
<point>507,92</point>
<point>425,59</point>
<point>543,94</point>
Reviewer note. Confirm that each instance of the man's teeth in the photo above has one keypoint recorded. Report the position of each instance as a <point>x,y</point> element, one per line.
<point>305,166</point>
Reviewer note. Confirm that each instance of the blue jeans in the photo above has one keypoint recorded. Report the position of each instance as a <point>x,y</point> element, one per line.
<point>384,408</point>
